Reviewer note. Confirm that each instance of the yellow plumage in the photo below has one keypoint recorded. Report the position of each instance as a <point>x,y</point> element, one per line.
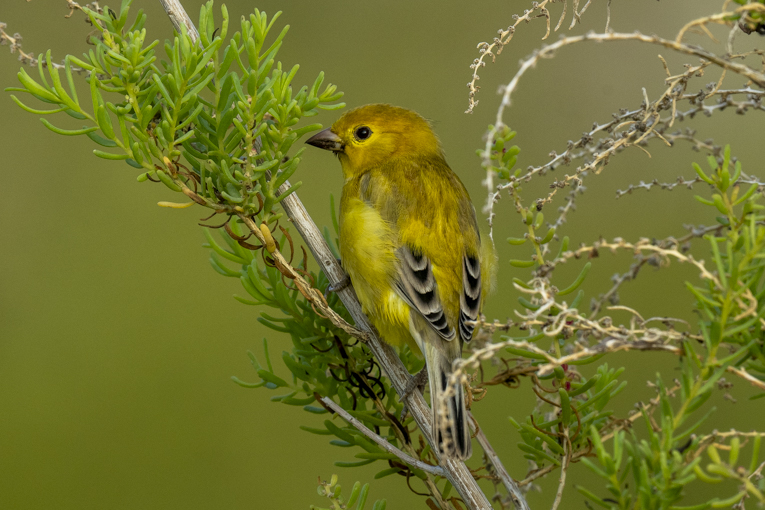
<point>410,244</point>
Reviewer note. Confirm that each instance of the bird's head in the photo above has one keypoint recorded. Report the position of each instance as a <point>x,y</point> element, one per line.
<point>370,135</point>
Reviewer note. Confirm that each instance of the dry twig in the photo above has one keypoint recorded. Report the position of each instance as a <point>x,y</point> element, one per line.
<point>639,129</point>
<point>385,445</point>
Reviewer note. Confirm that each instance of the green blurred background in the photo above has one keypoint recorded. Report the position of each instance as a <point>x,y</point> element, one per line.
<point>117,340</point>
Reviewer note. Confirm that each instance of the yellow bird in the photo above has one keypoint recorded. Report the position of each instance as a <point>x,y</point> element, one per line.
<point>409,241</point>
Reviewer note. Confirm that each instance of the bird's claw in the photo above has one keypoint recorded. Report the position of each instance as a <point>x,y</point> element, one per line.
<point>337,287</point>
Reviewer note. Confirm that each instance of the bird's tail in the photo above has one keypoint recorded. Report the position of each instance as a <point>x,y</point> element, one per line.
<point>451,430</point>
<point>450,426</point>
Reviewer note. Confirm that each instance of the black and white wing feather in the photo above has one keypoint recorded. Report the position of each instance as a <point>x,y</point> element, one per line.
<point>418,287</point>
<point>470,299</point>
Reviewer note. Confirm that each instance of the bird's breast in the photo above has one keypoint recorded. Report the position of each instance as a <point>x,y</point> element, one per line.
<point>367,250</point>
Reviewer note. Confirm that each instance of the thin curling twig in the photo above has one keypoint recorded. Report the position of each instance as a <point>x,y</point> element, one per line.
<point>433,470</point>
<point>504,37</point>
<point>720,18</point>
<point>455,471</point>
<point>709,58</point>
<point>537,9</point>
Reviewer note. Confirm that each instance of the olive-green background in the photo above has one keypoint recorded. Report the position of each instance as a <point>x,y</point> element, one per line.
<point>117,340</point>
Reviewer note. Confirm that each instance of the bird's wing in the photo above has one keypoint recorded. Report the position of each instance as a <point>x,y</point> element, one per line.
<point>470,298</point>
<point>417,285</point>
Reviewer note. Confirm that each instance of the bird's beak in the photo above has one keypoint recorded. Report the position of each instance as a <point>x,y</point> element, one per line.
<point>326,140</point>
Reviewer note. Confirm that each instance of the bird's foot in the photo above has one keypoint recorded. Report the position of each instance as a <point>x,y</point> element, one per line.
<point>337,287</point>
<point>416,382</point>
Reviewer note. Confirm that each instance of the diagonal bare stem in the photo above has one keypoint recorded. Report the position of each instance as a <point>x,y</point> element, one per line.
<point>385,445</point>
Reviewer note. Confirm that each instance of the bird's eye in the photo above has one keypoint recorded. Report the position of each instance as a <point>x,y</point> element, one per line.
<point>362,133</point>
